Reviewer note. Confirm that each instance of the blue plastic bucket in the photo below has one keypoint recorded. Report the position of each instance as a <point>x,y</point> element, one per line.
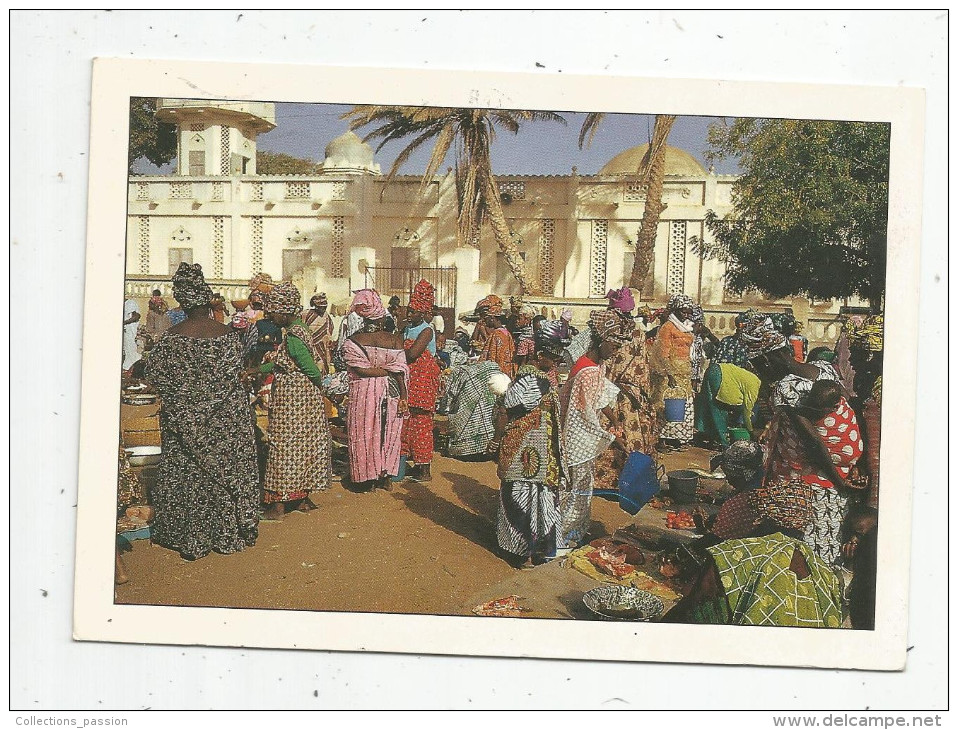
<point>638,481</point>
<point>675,410</point>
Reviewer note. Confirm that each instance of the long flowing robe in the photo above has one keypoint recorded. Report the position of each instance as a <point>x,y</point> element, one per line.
<point>633,411</point>
<point>207,488</point>
<point>373,422</point>
<point>582,398</point>
<point>671,355</point>
<point>130,352</point>
<point>299,443</point>
<point>529,467</point>
<point>417,436</point>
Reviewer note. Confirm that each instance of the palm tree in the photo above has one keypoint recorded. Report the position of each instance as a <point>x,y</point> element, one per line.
<point>651,172</point>
<point>471,131</point>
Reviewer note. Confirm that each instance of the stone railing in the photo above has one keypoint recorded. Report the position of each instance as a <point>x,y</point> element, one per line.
<point>274,189</point>
<point>141,287</point>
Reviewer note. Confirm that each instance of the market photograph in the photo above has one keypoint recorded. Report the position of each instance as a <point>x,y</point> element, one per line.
<point>501,363</point>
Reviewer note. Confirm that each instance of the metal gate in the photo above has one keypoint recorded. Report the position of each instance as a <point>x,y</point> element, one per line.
<point>394,281</point>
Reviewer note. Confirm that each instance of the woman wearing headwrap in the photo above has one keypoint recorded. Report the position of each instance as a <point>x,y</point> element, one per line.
<point>772,360</point>
<point>732,349</point>
<point>633,411</point>
<point>670,359</point>
<point>818,442</point>
<point>299,447</point>
<point>703,345</point>
<point>528,444</point>
<point>378,394</point>
<point>525,340</point>
<point>419,339</point>
<point>320,326</point>
<point>498,346</point>
<point>587,394</point>
<point>207,489</point>
<point>757,568</point>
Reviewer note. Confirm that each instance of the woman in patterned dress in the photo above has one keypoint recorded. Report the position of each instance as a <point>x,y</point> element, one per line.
<point>672,368</point>
<point>207,489</point>
<point>527,440</point>
<point>585,395</point>
<point>320,326</point>
<point>299,448</point>
<point>378,394</point>
<point>789,455</point>
<point>419,341</point>
<point>633,411</point>
<point>498,345</point>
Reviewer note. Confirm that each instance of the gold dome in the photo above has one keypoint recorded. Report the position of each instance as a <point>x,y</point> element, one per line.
<point>677,162</point>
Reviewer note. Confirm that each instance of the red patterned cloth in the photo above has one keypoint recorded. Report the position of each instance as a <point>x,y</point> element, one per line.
<point>417,430</point>
<point>423,380</point>
<point>417,437</point>
<point>423,297</point>
<point>736,519</point>
<point>840,433</point>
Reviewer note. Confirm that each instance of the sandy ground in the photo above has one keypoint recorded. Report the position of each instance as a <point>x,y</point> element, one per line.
<point>421,548</point>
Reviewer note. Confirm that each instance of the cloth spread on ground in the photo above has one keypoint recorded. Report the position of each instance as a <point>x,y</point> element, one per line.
<point>589,561</point>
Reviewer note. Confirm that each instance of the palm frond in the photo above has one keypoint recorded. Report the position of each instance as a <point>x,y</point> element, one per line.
<point>590,125</point>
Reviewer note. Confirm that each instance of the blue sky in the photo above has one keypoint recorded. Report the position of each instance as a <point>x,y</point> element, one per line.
<point>540,148</point>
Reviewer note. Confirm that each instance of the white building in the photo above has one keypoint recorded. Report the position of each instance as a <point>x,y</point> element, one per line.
<point>341,230</point>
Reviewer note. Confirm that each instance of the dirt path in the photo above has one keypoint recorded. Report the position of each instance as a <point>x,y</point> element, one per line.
<point>422,548</point>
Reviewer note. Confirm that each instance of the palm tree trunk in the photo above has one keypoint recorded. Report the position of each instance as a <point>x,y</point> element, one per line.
<point>500,229</point>
<point>645,242</point>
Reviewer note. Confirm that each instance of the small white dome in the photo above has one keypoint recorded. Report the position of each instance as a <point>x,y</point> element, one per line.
<point>348,153</point>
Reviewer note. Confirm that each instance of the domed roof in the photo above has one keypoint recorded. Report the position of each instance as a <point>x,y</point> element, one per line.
<point>349,153</point>
<point>677,162</point>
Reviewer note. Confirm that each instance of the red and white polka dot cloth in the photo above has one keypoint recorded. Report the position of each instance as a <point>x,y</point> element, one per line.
<point>842,437</point>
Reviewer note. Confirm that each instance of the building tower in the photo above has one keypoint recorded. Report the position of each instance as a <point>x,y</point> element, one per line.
<point>216,138</point>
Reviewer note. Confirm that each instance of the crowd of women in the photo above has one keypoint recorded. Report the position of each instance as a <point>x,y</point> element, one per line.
<point>559,409</point>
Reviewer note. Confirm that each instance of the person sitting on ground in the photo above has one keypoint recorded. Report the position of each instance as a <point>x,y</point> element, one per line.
<point>767,576</point>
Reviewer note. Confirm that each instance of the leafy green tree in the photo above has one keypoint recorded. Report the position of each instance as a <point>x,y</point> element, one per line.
<point>810,209</point>
<point>149,138</point>
<point>470,132</point>
<point>279,163</point>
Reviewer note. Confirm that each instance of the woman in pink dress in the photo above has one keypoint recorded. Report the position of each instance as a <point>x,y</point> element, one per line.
<point>378,394</point>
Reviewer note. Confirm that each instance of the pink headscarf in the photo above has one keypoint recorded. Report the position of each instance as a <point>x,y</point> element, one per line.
<point>368,304</point>
<point>621,299</point>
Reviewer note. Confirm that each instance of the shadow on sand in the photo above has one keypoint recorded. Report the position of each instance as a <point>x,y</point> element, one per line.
<point>478,529</point>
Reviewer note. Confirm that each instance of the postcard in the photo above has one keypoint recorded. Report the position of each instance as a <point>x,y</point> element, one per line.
<point>498,364</point>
